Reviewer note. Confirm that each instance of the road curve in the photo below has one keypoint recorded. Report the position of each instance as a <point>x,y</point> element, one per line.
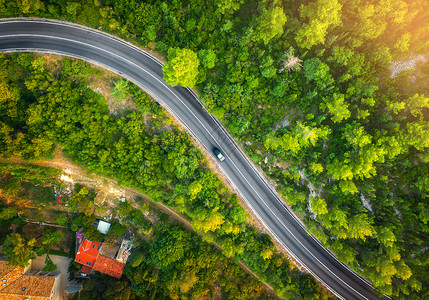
<point>30,35</point>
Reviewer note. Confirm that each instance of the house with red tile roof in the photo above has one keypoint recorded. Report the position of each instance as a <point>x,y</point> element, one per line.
<point>15,284</point>
<point>88,252</point>
<point>93,257</point>
<point>109,266</point>
<point>9,273</point>
<point>29,287</point>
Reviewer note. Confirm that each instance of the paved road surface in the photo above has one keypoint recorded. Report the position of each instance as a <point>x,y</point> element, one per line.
<point>145,71</point>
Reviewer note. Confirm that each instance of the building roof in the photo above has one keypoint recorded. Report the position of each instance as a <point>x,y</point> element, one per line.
<point>32,287</point>
<point>124,252</point>
<point>88,252</point>
<point>103,227</point>
<point>109,266</point>
<point>5,268</point>
<point>86,269</point>
<point>109,250</point>
<point>73,288</point>
<point>8,273</point>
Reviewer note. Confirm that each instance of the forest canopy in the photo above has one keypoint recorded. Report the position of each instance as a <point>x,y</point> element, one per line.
<point>139,147</point>
<point>308,89</point>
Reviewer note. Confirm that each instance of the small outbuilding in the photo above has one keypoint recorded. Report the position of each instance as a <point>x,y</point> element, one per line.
<point>103,227</point>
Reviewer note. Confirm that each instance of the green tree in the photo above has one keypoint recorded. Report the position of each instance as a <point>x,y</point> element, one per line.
<point>29,6</point>
<point>315,69</point>
<point>107,288</point>
<point>354,133</point>
<point>237,214</point>
<point>360,227</point>
<point>267,68</point>
<point>344,252</point>
<point>418,135</point>
<point>340,170</point>
<point>339,220</point>
<point>61,220</point>
<point>289,141</point>
<point>266,253</point>
<point>18,250</point>
<point>73,8</point>
<point>319,206</point>
<point>49,238</point>
<point>195,188</point>
<point>416,104</point>
<point>82,200</point>
<point>207,58</point>
<point>386,236</point>
<point>316,168</point>
<point>9,100</point>
<point>269,24</point>
<point>169,248</point>
<point>348,187</point>
<point>337,107</point>
<point>118,290</point>
<point>308,136</point>
<point>367,21</point>
<point>321,15</point>
<point>208,221</point>
<point>121,90</point>
<point>182,283</point>
<point>227,7</point>
<point>8,213</point>
<point>49,265</point>
<point>145,19</point>
<point>181,67</point>
<point>403,44</point>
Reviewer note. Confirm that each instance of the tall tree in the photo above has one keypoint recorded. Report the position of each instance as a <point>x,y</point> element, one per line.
<point>337,107</point>
<point>8,213</point>
<point>181,67</point>
<point>51,237</point>
<point>18,250</point>
<point>321,15</point>
<point>227,7</point>
<point>269,24</point>
<point>49,265</point>
<point>207,58</point>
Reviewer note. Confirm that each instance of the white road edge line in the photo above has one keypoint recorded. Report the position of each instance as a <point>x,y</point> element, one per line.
<point>195,117</point>
<point>88,29</point>
<point>71,25</point>
<point>276,196</point>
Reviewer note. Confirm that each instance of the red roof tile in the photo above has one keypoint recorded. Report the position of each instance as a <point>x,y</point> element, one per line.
<point>88,252</point>
<point>32,287</point>
<point>109,266</point>
<point>9,274</point>
<point>86,270</point>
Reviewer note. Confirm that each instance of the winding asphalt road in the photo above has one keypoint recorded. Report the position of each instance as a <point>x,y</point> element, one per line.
<point>27,35</point>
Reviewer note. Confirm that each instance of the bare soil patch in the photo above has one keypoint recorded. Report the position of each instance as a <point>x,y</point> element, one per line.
<point>397,67</point>
<point>108,194</point>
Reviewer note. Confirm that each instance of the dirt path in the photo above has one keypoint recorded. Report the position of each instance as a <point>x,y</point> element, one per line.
<point>104,186</point>
<point>112,190</point>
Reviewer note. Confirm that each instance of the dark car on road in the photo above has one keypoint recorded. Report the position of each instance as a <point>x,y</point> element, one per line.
<point>219,154</point>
